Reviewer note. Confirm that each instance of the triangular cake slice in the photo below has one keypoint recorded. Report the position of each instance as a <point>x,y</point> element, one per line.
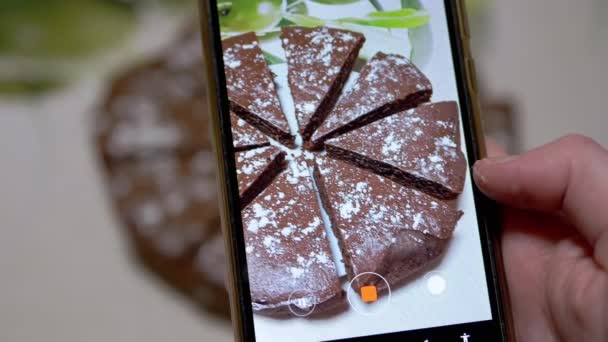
<point>319,62</point>
<point>383,227</point>
<point>255,169</point>
<point>251,89</point>
<point>245,136</point>
<point>288,255</point>
<point>387,84</point>
<point>419,148</point>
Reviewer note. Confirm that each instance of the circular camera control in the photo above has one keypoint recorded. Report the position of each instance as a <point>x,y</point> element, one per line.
<point>301,304</point>
<point>369,294</point>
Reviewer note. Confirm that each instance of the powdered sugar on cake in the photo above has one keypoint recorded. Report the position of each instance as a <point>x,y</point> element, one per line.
<point>371,212</point>
<point>244,135</point>
<point>286,243</point>
<point>384,80</point>
<point>249,82</point>
<point>423,142</point>
<point>315,57</point>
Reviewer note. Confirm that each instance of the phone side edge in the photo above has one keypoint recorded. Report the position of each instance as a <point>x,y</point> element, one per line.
<point>213,110</point>
<point>492,211</point>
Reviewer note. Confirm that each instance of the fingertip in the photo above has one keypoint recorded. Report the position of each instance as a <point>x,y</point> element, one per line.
<point>487,171</point>
<point>479,176</point>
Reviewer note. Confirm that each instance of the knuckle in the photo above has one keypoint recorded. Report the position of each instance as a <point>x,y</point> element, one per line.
<point>579,142</point>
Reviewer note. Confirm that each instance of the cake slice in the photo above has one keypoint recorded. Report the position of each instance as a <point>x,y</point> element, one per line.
<point>251,89</point>
<point>383,227</point>
<point>255,169</point>
<point>319,62</point>
<point>388,83</point>
<point>244,136</point>
<point>288,256</point>
<point>418,147</point>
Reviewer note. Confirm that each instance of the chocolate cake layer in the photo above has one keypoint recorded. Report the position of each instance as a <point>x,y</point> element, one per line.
<point>152,134</point>
<point>288,256</point>
<point>168,204</point>
<point>245,136</point>
<point>419,148</point>
<point>319,62</point>
<point>251,89</point>
<point>387,84</point>
<point>255,169</point>
<point>382,226</point>
<point>153,109</point>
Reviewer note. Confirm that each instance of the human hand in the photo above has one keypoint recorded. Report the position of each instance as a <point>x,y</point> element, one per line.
<point>555,237</point>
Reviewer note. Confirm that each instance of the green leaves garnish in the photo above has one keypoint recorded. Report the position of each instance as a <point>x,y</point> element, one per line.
<point>224,8</point>
<point>272,59</point>
<point>404,18</point>
<point>304,20</point>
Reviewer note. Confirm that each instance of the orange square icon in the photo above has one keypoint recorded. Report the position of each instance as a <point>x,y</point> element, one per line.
<point>369,294</point>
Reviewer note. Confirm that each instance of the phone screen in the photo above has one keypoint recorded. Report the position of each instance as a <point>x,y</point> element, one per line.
<point>358,215</point>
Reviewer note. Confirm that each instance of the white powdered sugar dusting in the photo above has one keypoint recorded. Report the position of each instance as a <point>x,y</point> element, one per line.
<point>319,55</point>
<point>383,80</point>
<point>415,141</point>
<point>249,82</point>
<point>374,211</point>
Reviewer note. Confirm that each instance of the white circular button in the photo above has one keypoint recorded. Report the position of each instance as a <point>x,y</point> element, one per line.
<point>436,284</point>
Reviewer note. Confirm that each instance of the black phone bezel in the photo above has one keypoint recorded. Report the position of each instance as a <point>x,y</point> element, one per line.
<point>488,214</point>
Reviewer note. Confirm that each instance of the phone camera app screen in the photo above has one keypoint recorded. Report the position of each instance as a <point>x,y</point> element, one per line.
<point>356,199</point>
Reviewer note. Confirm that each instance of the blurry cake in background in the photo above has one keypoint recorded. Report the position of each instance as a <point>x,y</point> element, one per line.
<point>152,138</point>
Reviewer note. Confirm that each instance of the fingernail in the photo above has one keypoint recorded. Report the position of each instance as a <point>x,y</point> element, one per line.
<point>480,165</point>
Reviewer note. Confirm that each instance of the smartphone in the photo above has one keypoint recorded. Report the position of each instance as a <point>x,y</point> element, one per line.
<point>345,131</point>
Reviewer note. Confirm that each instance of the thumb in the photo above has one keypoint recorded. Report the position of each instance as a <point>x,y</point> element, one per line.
<point>569,176</point>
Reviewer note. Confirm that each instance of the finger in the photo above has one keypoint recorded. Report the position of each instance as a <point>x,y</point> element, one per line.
<point>569,175</point>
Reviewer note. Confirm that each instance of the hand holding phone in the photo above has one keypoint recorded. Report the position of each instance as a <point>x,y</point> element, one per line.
<point>554,242</point>
<point>345,131</point>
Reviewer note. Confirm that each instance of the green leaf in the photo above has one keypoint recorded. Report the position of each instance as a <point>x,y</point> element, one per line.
<point>250,15</point>
<point>376,5</point>
<point>68,28</point>
<point>391,19</point>
<point>415,4</point>
<point>335,2</point>
<point>9,88</point>
<point>304,20</point>
<point>272,59</point>
<point>398,13</point>
<point>224,7</point>
<point>293,6</point>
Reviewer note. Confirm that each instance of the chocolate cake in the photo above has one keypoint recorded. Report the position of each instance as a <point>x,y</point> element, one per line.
<point>168,204</point>
<point>319,62</point>
<point>255,169</point>
<point>251,89</point>
<point>156,107</point>
<point>244,136</point>
<point>288,256</point>
<point>152,135</point>
<point>383,227</point>
<point>419,147</point>
<point>388,83</point>
<point>384,162</point>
